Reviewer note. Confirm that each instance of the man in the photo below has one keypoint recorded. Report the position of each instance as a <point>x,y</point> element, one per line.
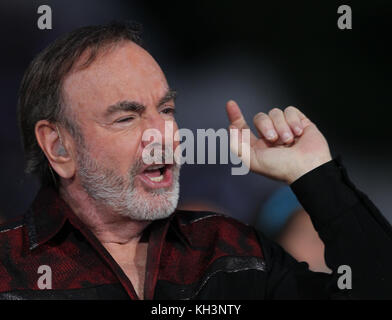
<point>104,223</point>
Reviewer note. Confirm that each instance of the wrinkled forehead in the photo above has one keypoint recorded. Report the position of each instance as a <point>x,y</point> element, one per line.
<point>124,71</point>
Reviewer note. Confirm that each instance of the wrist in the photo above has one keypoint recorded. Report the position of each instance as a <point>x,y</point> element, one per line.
<point>306,165</point>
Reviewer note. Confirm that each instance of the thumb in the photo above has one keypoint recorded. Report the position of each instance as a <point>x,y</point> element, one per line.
<point>240,144</point>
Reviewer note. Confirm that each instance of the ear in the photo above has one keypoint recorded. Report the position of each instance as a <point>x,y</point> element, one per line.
<point>57,147</point>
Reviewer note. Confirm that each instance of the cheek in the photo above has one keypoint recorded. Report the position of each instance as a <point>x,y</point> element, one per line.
<point>118,152</point>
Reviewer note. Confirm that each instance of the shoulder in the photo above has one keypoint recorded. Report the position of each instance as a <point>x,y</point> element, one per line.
<point>186,217</point>
<point>11,237</point>
<point>11,243</point>
<point>215,222</point>
<point>11,228</point>
<point>203,228</point>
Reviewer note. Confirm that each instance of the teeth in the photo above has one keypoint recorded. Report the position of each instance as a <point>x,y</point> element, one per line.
<point>155,167</point>
<point>156,179</point>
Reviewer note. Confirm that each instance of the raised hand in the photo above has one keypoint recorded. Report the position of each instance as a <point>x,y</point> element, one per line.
<point>288,143</point>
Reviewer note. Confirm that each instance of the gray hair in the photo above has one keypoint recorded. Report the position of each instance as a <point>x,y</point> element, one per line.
<point>40,94</point>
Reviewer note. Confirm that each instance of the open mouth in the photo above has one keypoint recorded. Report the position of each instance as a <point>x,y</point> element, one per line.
<point>157,175</point>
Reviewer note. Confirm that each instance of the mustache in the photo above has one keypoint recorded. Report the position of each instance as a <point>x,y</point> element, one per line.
<point>157,153</point>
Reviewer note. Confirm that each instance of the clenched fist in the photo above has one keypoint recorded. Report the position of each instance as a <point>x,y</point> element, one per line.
<point>288,143</point>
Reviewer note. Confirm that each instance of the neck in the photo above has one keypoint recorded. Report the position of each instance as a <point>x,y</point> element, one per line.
<point>107,225</point>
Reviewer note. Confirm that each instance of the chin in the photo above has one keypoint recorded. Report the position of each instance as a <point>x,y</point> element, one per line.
<point>149,205</point>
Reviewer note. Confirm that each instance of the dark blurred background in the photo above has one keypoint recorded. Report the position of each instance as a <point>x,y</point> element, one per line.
<point>263,54</point>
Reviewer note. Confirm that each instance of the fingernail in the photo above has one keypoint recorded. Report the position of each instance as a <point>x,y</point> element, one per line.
<point>271,134</point>
<point>286,136</point>
<point>298,130</point>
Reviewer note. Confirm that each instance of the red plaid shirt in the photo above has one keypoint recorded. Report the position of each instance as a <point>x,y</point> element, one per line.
<point>202,255</point>
<point>51,234</point>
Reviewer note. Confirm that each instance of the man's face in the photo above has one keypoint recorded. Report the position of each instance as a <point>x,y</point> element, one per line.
<point>115,100</point>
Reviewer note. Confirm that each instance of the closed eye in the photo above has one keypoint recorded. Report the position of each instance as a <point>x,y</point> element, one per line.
<point>126,119</point>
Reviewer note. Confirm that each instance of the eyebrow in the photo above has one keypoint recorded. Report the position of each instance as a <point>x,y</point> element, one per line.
<point>134,106</point>
<point>170,95</point>
<point>124,106</point>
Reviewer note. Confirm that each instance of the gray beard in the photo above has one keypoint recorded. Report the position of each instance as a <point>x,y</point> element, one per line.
<point>120,194</point>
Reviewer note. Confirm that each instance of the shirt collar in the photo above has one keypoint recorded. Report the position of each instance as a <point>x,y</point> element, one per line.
<point>45,217</point>
<point>48,213</point>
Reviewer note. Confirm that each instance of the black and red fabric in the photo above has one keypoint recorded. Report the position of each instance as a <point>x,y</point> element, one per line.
<point>203,255</point>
